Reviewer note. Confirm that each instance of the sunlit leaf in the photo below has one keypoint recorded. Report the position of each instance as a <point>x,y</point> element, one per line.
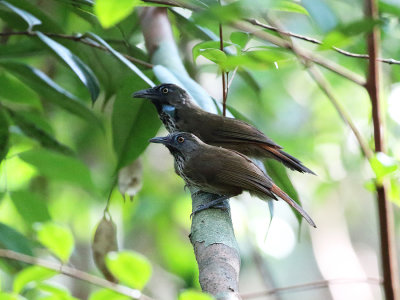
<point>111,12</point>
<point>32,274</point>
<point>59,167</point>
<point>215,55</point>
<point>209,45</point>
<point>58,239</point>
<point>30,206</point>
<point>394,191</point>
<point>131,268</point>
<point>105,294</point>
<point>56,293</point>
<point>84,73</point>
<point>4,134</point>
<point>129,64</point>
<point>45,86</point>
<point>383,165</point>
<point>194,295</point>
<point>240,38</point>
<point>9,296</point>
<point>29,18</point>
<point>289,6</point>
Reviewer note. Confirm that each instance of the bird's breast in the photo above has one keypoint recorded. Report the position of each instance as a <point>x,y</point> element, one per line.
<point>168,121</point>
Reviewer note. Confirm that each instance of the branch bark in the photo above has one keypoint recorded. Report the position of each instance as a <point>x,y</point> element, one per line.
<point>386,224</point>
<point>212,233</point>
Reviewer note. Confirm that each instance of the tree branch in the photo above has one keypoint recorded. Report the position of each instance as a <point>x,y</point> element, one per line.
<point>74,273</point>
<point>77,38</point>
<point>389,61</point>
<point>212,233</point>
<point>386,224</point>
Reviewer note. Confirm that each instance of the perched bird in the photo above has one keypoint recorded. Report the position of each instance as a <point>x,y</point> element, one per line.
<point>179,113</point>
<point>221,171</point>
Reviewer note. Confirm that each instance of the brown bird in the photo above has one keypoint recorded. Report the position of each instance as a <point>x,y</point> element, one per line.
<point>221,171</point>
<point>178,112</point>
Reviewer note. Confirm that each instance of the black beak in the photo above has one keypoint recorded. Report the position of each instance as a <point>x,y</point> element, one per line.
<point>146,94</point>
<point>161,140</point>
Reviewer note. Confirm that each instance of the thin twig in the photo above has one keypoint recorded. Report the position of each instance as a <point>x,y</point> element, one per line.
<point>78,38</point>
<point>389,61</point>
<point>312,285</point>
<point>74,273</point>
<point>386,224</point>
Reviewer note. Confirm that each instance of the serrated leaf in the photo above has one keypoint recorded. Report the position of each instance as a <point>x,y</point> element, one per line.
<point>240,38</point>
<point>194,295</point>
<point>50,90</point>
<point>59,167</point>
<point>58,239</point>
<point>129,64</point>
<point>289,6</point>
<point>4,134</point>
<point>30,206</point>
<point>83,72</point>
<point>29,275</point>
<point>29,18</point>
<point>111,12</point>
<point>105,294</point>
<point>130,267</point>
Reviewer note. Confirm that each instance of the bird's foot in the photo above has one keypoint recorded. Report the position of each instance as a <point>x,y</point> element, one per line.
<point>219,203</point>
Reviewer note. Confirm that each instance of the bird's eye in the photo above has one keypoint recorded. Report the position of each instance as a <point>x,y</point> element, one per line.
<point>181,139</point>
<point>165,91</point>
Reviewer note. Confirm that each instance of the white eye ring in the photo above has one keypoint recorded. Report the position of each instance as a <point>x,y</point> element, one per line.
<point>181,139</point>
<point>165,91</point>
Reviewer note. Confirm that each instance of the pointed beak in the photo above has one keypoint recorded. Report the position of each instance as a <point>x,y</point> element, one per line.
<point>160,140</point>
<point>146,94</point>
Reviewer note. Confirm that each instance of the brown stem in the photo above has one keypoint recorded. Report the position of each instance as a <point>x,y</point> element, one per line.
<point>389,61</point>
<point>77,38</point>
<point>74,273</point>
<point>311,286</point>
<point>386,224</point>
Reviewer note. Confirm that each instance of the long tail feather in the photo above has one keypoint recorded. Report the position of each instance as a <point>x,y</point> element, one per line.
<point>281,194</point>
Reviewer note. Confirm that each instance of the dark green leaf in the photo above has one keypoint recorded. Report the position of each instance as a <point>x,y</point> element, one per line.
<point>29,18</point>
<point>46,87</point>
<point>30,206</point>
<point>59,167</point>
<point>134,122</point>
<point>389,8</point>
<point>124,60</point>
<point>4,134</point>
<point>84,73</point>
<point>13,240</point>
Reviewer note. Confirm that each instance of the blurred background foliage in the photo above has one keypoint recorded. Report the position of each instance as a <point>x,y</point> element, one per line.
<point>68,125</point>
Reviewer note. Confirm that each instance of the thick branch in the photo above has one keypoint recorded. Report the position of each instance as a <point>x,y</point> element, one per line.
<point>74,273</point>
<point>386,224</point>
<point>77,38</point>
<point>212,234</point>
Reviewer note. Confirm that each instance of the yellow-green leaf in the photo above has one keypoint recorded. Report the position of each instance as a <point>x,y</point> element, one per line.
<point>194,295</point>
<point>29,275</point>
<point>111,12</point>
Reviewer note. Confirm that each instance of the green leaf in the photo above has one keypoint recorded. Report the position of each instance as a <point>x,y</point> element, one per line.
<point>240,38</point>
<point>105,294</point>
<point>131,268</point>
<point>215,55</point>
<point>32,130</point>
<point>57,293</point>
<point>14,91</point>
<point>30,206</point>
<point>13,240</point>
<point>32,274</point>
<point>111,12</point>
<point>194,295</point>
<point>58,239</point>
<point>123,59</point>
<point>29,18</point>
<point>134,122</point>
<point>208,45</point>
<point>383,165</point>
<point>51,91</point>
<point>59,167</point>
<point>4,134</point>
<point>389,8</point>
<point>394,191</point>
<point>289,6</point>
<point>8,296</point>
<point>83,72</point>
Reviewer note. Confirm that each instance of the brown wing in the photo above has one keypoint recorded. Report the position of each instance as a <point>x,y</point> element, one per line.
<point>227,172</point>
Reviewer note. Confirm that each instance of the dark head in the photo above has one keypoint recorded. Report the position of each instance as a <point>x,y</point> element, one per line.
<point>165,94</point>
<point>179,143</point>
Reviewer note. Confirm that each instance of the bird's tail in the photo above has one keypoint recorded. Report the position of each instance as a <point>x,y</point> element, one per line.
<point>288,160</point>
<point>281,194</point>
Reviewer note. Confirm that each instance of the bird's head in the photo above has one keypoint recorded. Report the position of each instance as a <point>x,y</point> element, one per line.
<point>179,143</point>
<point>166,94</point>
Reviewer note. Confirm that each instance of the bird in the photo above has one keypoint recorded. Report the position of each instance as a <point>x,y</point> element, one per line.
<point>224,172</point>
<point>178,112</point>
